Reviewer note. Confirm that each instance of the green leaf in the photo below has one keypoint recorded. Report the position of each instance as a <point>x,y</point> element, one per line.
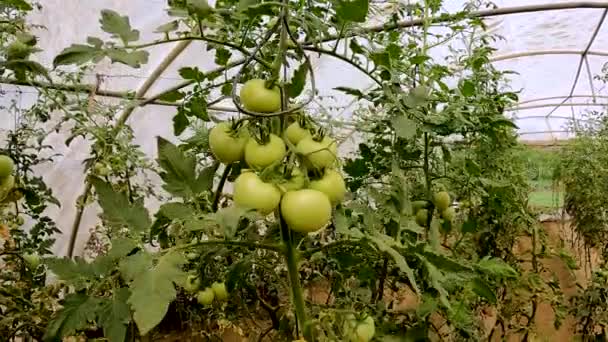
<point>121,247</point>
<point>382,243</point>
<point>199,8</point>
<point>180,122</point>
<point>419,59</point>
<point>482,289</point>
<point>22,66</point>
<point>222,56</point>
<point>133,265</point>
<point>152,291</point>
<point>134,59</point>
<point>194,74</point>
<point>21,5</point>
<point>444,263</point>
<point>95,42</point>
<point>168,27</point>
<point>504,122</point>
<point>404,127</point>
<point>355,10</point>
<point>176,210</point>
<point>117,209</point>
<point>77,54</point>
<point>228,219</point>
<point>469,226</point>
<point>78,311</point>
<point>496,268</point>
<point>197,107</point>
<point>118,26</point>
<point>467,88</point>
<point>227,89</point>
<point>172,96</point>
<point>298,81</point>
<point>351,91</point>
<point>115,315</point>
<point>77,271</point>
<point>436,279</point>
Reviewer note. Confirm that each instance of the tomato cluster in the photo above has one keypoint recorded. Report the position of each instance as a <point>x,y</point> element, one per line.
<point>442,202</point>
<point>293,168</point>
<point>356,330</point>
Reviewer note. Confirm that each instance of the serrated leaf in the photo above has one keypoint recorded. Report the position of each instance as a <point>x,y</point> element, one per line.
<point>118,26</point>
<point>352,10</point>
<point>482,289</point>
<point>115,315</point>
<point>154,290</point>
<point>21,66</point>
<point>444,263</point>
<point>350,91</point>
<point>168,27</point>
<point>176,210</point>
<point>77,54</point>
<point>298,81</point>
<point>189,73</point>
<point>134,59</point>
<point>222,56</point>
<point>21,5</point>
<point>117,209</point>
<point>436,278</point>
<point>226,89</point>
<point>78,311</point>
<point>467,88</point>
<point>397,258</point>
<point>121,247</point>
<point>197,107</point>
<point>496,268</point>
<point>172,96</point>
<point>228,219</point>
<point>180,123</point>
<point>404,127</point>
<point>75,271</point>
<point>135,264</point>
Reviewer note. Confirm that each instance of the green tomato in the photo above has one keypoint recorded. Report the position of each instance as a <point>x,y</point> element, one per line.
<point>442,200</point>
<point>448,214</point>
<point>193,282</point>
<point>295,181</point>
<point>101,169</point>
<point>6,166</point>
<point>260,156</point>
<point>226,145</point>
<point>220,291</point>
<point>251,192</point>
<point>257,98</point>
<point>417,205</point>
<point>7,183</point>
<point>319,154</point>
<point>331,184</point>
<point>306,210</point>
<point>205,297</point>
<point>359,331</point>
<point>33,260</point>
<point>295,133</point>
<point>421,217</point>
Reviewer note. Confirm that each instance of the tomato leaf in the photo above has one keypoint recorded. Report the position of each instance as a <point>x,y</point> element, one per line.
<point>134,59</point>
<point>172,96</point>
<point>78,311</point>
<point>352,10</point>
<point>222,56</point>
<point>351,91</point>
<point>118,26</point>
<point>298,81</point>
<point>78,54</point>
<point>467,88</point>
<point>77,271</point>
<point>168,27</point>
<point>399,259</point>
<point>194,74</point>
<point>115,315</point>
<point>133,265</point>
<point>482,289</point>
<point>496,268</point>
<point>436,279</point>
<point>118,211</point>
<point>153,290</point>
<point>176,210</point>
<point>404,127</point>
<point>228,219</point>
<point>121,247</point>
<point>21,5</point>
<point>180,122</point>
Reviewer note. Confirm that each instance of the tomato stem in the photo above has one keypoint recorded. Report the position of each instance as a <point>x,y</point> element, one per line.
<point>220,188</point>
<point>292,257</point>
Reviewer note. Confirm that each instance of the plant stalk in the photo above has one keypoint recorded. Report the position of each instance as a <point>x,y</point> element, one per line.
<point>220,188</point>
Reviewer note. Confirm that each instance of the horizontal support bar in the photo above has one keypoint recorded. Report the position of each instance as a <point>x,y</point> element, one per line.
<point>545,53</point>
<point>515,109</point>
<point>560,98</point>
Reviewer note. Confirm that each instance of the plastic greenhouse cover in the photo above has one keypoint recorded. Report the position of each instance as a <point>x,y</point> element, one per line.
<point>538,76</point>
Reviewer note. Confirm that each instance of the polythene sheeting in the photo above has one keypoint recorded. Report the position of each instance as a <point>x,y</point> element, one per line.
<point>540,76</point>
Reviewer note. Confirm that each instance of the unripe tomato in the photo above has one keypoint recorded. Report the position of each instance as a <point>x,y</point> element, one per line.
<point>260,156</point>
<point>251,192</point>
<point>257,98</point>
<point>295,181</point>
<point>101,169</point>
<point>442,200</point>
<point>319,154</point>
<point>32,260</point>
<point>421,217</point>
<point>227,145</point>
<point>331,184</point>
<point>306,210</point>
<point>193,282</point>
<point>448,214</point>
<point>220,291</point>
<point>295,133</point>
<point>205,297</point>
<point>359,331</point>
<point>417,205</point>
<point>6,166</point>
<point>7,183</point>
